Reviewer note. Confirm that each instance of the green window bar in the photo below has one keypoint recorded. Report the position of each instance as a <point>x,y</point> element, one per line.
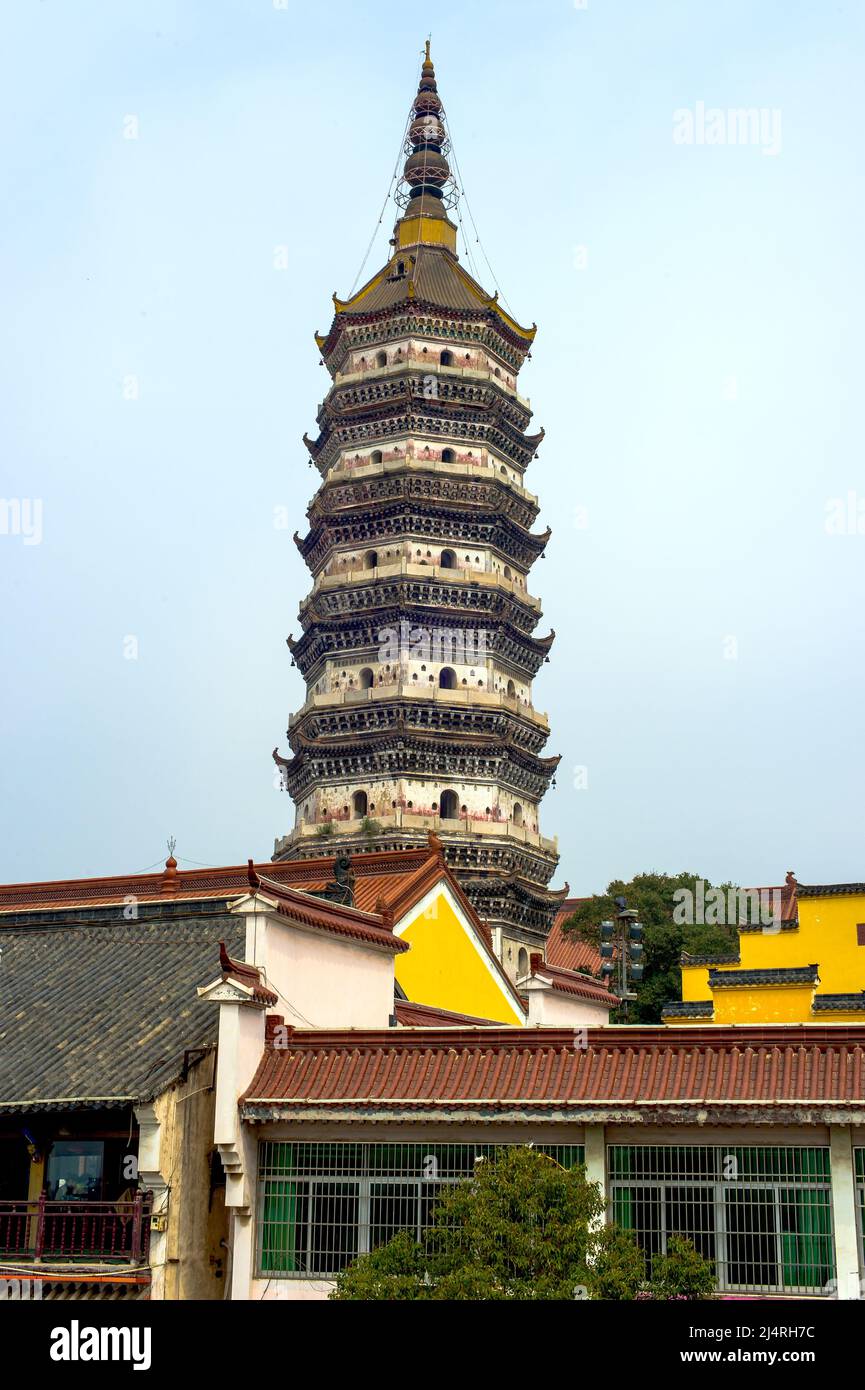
<point>761,1215</point>
<point>321,1205</point>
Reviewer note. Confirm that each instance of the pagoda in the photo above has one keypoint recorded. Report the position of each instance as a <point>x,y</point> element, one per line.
<point>418,640</point>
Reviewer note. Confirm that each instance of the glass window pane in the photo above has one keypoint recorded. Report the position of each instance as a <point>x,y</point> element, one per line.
<point>74,1170</point>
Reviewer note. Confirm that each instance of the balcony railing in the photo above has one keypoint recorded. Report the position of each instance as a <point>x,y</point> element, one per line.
<point>481,699</point>
<point>409,820</point>
<point>457,574</point>
<point>74,1231</point>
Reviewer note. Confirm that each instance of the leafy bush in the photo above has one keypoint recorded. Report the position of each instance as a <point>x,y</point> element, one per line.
<point>682,1272</point>
<point>520,1228</point>
<point>618,1267</point>
<point>323,830</point>
<point>392,1271</point>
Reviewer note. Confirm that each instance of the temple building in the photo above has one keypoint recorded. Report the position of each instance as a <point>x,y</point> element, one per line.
<point>418,641</point>
<point>798,962</point>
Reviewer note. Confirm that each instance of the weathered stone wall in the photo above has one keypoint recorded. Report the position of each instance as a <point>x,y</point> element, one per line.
<point>193,1256</point>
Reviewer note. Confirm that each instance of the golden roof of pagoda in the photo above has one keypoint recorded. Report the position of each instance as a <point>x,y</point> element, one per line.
<point>424,265</point>
<point>433,276</point>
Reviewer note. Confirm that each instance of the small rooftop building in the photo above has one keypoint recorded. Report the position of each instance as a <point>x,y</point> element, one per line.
<point>800,957</point>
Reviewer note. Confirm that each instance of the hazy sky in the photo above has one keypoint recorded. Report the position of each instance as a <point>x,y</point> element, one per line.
<point>697,369</point>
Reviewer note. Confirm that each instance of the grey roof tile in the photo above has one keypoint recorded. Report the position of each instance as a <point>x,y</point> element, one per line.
<point>104,1010</point>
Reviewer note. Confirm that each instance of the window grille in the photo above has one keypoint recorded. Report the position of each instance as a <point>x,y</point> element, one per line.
<point>762,1216</point>
<point>321,1205</point>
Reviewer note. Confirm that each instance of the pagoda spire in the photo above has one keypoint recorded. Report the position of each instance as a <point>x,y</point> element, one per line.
<point>427,189</point>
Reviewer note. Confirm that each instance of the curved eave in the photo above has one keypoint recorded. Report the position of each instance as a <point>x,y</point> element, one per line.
<point>486,307</point>
<point>492,303</point>
<point>485,302</point>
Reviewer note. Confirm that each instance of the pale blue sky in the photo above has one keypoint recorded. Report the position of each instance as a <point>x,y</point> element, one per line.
<point>699,381</point>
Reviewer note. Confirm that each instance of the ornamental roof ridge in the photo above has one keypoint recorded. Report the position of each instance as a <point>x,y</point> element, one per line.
<point>569,981</point>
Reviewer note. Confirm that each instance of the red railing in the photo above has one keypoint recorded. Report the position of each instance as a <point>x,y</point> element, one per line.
<point>73,1231</point>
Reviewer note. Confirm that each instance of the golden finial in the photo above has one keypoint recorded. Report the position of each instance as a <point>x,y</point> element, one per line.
<point>427,50</point>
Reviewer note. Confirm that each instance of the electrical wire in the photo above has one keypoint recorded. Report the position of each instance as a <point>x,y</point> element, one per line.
<point>464,195</point>
<point>387,197</point>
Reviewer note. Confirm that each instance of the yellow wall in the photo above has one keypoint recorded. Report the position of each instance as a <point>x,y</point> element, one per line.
<point>764,1004</point>
<point>695,983</point>
<point>826,934</point>
<point>448,967</point>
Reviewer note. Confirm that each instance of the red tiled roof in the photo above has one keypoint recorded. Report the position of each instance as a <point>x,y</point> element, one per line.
<point>571,982</point>
<point>374,929</point>
<point>571,952</point>
<point>789,897</point>
<point>248,975</point>
<point>410,1015</point>
<point>709,1067</point>
<point>375,876</point>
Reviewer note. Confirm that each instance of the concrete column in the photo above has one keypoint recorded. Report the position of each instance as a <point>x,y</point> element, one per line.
<point>844,1213</point>
<point>242,1232</point>
<point>596,1159</point>
<point>151,1178</point>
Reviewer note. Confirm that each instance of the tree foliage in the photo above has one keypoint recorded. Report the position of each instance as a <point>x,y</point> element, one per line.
<point>682,1272</point>
<point>618,1269</point>
<point>522,1228</point>
<point>663,939</point>
<point>519,1229</point>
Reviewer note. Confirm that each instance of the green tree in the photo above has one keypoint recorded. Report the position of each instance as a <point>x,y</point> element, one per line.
<point>618,1266</point>
<point>520,1228</point>
<point>663,939</point>
<point>682,1272</point>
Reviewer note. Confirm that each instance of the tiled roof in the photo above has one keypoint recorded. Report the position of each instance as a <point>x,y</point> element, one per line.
<point>838,1003</point>
<point>570,951</point>
<point>692,1008</point>
<point>248,975</point>
<point>375,876</point>
<point>433,278</point>
<point>410,1015</point>
<point>102,1014</point>
<point>647,1069</point>
<point>780,975</point>
<point>732,958</point>
<point>831,890</point>
<point>571,982</point>
<point>374,929</point>
<point>789,906</point>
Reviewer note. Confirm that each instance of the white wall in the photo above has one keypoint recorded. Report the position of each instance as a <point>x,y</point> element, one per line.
<point>547,1006</point>
<point>323,981</point>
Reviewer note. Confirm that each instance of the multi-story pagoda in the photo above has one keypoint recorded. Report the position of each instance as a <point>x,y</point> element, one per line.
<point>418,643</point>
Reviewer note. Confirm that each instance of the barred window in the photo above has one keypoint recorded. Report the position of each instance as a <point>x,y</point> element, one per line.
<point>762,1216</point>
<point>321,1205</point>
